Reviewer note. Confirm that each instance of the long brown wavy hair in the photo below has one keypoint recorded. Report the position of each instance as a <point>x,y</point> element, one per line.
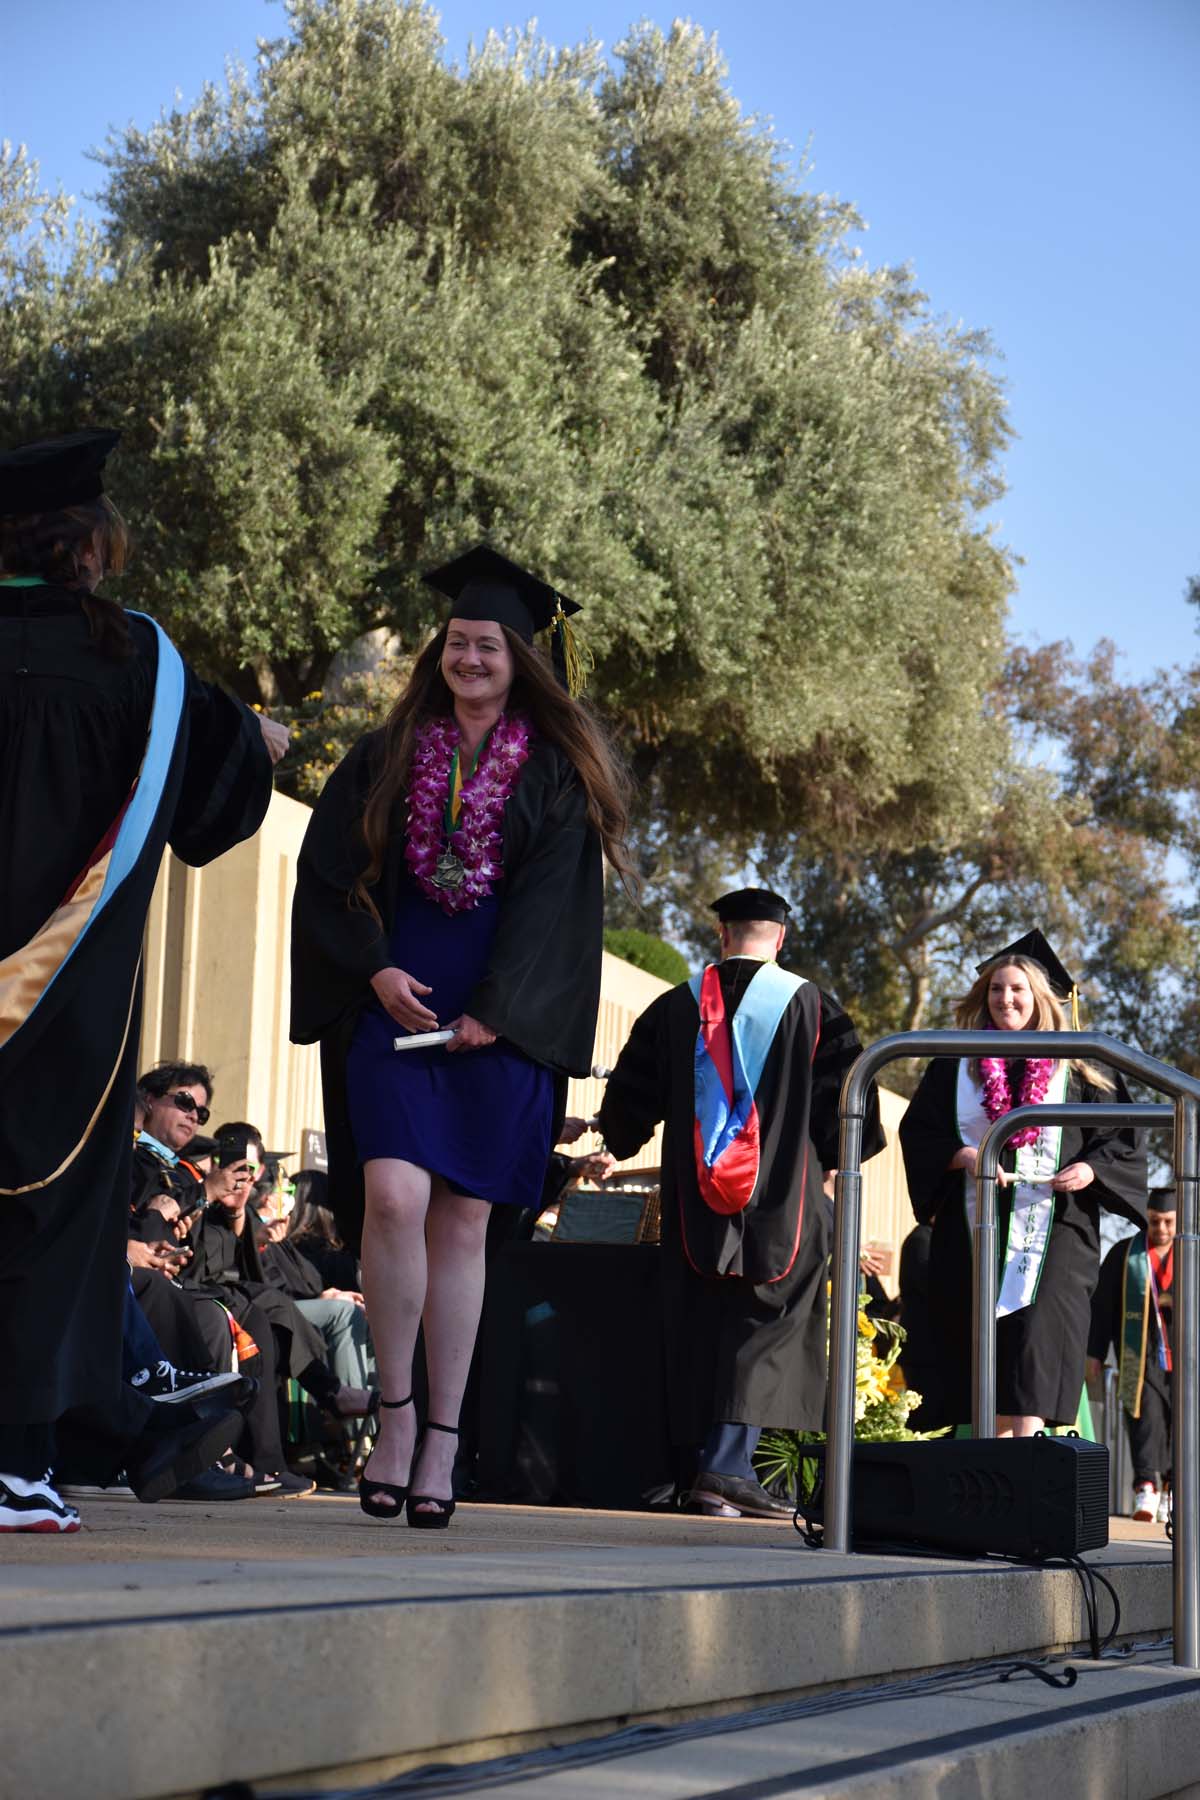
<point>570,724</point>
<point>971,1013</point>
<point>51,544</point>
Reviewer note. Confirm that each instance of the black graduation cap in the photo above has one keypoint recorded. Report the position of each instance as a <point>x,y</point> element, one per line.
<point>56,472</point>
<point>752,903</point>
<point>483,584</point>
<point>1035,947</point>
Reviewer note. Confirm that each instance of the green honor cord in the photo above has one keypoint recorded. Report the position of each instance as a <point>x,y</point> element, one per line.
<point>450,814</point>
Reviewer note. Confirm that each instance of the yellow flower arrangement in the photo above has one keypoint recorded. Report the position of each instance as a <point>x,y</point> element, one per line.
<point>882,1404</point>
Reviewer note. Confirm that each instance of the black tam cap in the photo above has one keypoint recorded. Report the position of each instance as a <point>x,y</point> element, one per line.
<point>57,472</point>
<point>752,903</point>
<point>1034,946</point>
<point>485,585</point>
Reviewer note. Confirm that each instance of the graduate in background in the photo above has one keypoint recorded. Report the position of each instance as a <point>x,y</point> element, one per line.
<point>1049,1215</point>
<point>1132,1310</point>
<point>744,1065</point>
<point>110,748</point>
<point>452,879</point>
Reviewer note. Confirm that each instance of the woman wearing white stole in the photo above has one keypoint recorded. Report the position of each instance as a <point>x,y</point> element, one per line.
<point>1054,1183</point>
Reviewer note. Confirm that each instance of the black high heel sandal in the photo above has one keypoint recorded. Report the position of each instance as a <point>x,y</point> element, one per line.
<point>430,1521</point>
<point>368,1489</point>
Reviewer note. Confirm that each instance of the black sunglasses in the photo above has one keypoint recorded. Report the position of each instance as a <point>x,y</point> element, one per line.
<point>184,1101</point>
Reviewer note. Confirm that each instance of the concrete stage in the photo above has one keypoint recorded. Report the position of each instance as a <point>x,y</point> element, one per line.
<point>164,1650</point>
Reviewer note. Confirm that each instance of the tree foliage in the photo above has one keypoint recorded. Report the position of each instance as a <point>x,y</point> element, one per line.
<point>361,305</point>
<point>1089,829</point>
<point>645,951</point>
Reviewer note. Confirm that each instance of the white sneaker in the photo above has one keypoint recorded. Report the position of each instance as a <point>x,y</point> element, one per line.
<point>34,1506</point>
<point>1163,1515</point>
<point>82,1490</point>
<point>1145,1502</point>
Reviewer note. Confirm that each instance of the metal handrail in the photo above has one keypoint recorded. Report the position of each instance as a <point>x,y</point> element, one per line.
<point>984,1260</point>
<point>1096,1047</point>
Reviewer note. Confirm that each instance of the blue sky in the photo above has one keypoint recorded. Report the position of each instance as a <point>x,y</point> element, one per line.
<point>1036,161</point>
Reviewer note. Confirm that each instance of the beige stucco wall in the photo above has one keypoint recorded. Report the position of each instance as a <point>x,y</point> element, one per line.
<point>887,1215</point>
<point>216,979</point>
<point>216,991</point>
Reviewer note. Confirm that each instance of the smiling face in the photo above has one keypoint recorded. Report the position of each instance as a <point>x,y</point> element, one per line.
<point>477,663</point>
<point>1160,1228</point>
<point>1010,999</point>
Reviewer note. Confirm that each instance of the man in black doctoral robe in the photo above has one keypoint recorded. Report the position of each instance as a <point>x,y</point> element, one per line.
<point>744,1222</point>
<point>110,748</point>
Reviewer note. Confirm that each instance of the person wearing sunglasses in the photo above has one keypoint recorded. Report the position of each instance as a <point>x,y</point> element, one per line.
<point>178,1095</point>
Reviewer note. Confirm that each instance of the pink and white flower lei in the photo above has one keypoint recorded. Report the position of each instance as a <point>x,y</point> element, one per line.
<point>997,1091</point>
<point>477,842</point>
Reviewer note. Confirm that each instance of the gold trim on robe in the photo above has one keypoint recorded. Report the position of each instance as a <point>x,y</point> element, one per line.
<point>32,1187</point>
<point>28,972</point>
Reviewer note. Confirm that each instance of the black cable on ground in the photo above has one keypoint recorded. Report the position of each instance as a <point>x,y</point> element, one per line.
<point>443,1779</point>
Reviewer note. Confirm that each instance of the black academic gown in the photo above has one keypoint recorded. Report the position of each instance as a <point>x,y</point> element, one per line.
<point>73,736</point>
<point>1041,1350</point>
<point>542,988</point>
<point>228,1263</point>
<point>1108,1319</point>
<point>744,1304</point>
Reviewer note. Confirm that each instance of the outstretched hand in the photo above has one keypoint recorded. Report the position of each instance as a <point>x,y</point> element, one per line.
<point>399,995</point>
<point>275,737</point>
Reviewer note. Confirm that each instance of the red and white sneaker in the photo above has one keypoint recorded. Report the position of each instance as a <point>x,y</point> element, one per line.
<point>34,1506</point>
<point>1145,1502</point>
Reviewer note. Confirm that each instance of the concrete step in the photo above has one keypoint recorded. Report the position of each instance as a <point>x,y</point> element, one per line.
<point>1122,1732</point>
<point>278,1639</point>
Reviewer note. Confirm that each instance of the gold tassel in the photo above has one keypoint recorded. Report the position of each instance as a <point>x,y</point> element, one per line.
<point>1074,1008</point>
<point>578,660</point>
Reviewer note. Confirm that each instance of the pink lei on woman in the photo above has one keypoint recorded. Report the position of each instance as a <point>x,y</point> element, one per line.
<point>476,846</point>
<point>997,1091</point>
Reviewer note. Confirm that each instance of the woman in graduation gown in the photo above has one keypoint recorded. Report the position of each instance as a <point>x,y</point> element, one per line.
<point>1049,1217</point>
<point>110,748</point>
<point>452,878</point>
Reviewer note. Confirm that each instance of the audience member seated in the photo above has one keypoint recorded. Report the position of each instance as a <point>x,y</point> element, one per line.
<point>226,1254</point>
<point>311,1226</point>
<point>337,1313</point>
<point>177,1099</point>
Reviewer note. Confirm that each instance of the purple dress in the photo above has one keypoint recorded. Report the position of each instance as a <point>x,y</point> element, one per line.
<point>481,1119</point>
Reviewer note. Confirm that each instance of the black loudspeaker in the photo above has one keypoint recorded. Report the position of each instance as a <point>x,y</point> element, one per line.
<point>1026,1497</point>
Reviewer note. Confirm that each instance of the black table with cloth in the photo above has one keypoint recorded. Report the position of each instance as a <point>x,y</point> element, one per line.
<point>572,1377</point>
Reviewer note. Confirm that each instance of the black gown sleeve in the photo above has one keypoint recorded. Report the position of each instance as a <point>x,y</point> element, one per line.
<point>227,776</point>
<point>542,987</point>
<point>1106,1304</point>
<point>838,1047</point>
<point>1118,1157</point>
<point>929,1140</point>
<point>336,946</point>
<point>635,1098</point>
